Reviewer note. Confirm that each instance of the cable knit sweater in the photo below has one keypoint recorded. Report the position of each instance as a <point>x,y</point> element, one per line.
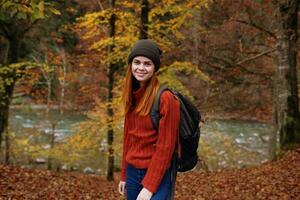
<point>144,147</point>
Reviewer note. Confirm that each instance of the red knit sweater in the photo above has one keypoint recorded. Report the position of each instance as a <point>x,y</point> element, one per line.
<point>143,147</point>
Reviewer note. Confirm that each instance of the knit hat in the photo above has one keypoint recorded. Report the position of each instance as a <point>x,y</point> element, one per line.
<point>147,48</point>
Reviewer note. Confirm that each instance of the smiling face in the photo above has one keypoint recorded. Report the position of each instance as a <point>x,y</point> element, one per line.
<point>142,69</point>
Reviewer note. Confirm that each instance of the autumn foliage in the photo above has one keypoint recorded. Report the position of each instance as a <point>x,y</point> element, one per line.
<point>275,180</point>
<point>219,52</point>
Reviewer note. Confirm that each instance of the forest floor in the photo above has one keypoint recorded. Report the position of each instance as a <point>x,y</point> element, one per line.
<point>278,179</point>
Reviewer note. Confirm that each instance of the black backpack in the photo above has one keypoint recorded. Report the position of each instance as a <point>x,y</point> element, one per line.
<point>189,130</point>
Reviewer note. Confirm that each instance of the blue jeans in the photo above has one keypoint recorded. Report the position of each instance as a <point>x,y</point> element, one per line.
<point>134,178</point>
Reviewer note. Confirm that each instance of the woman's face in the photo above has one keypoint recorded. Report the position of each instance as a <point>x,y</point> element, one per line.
<point>142,69</point>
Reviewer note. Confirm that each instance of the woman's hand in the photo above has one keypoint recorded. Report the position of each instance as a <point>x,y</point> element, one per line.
<point>144,195</point>
<point>122,187</point>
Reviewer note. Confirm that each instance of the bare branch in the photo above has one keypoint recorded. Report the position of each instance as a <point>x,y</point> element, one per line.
<point>211,64</point>
<point>256,56</point>
<point>100,4</point>
<point>244,69</point>
<point>257,27</point>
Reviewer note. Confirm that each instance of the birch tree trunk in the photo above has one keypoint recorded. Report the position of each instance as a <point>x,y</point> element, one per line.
<point>62,80</point>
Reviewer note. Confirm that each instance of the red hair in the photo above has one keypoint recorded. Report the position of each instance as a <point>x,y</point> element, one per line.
<point>143,108</point>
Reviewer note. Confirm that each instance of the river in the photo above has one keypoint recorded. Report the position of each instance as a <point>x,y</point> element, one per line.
<point>223,143</point>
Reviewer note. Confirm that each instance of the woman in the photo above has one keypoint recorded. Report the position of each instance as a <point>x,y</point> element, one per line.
<point>147,153</point>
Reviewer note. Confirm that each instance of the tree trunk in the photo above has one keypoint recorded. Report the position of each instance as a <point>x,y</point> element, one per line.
<point>3,113</point>
<point>49,88</point>
<point>4,51</point>
<point>144,19</point>
<point>7,147</point>
<point>52,140</point>
<point>63,81</point>
<point>110,113</point>
<point>286,90</point>
<point>6,94</point>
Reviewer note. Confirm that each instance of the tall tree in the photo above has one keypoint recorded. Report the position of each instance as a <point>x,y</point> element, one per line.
<point>112,42</point>
<point>286,107</point>
<point>17,18</point>
<point>110,113</point>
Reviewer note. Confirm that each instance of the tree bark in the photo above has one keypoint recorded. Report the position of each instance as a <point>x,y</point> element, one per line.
<point>63,81</point>
<point>52,140</point>
<point>144,19</point>
<point>110,113</point>
<point>6,94</point>
<point>286,90</point>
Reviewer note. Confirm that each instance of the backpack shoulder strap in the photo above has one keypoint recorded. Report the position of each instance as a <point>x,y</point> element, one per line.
<point>154,113</point>
<point>155,117</point>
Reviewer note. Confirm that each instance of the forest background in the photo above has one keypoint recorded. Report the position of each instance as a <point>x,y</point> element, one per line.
<point>71,56</point>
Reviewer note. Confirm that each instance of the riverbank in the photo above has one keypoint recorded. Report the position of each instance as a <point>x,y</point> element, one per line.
<point>239,116</point>
<point>279,179</point>
<point>206,115</point>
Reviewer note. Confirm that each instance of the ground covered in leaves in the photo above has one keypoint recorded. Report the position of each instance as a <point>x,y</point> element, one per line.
<point>274,180</point>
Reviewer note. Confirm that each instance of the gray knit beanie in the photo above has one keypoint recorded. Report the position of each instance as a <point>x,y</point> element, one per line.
<point>147,48</point>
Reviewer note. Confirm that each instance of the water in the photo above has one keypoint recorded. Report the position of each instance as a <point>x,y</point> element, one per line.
<point>35,119</point>
<point>223,143</point>
<point>233,143</point>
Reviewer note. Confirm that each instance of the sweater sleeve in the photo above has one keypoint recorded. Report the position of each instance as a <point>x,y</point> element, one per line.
<point>166,142</point>
<point>125,150</point>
